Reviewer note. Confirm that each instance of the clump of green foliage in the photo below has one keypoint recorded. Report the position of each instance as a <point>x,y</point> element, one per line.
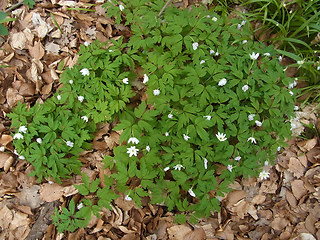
<point>295,25</point>
<point>216,106</point>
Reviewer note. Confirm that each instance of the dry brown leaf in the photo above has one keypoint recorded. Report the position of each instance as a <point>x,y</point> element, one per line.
<point>258,199</point>
<point>8,164</point>
<point>27,89</point>
<point>296,167</point>
<point>29,196</point>
<point>178,232</point>
<point>307,145</point>
<point>8,58</point>
<point>279,223</point>
<point>52,192</point>
<point>291,199</point>
<point>36,51</point>
<point>234,197</point>
<point>5,139</point>
<point>226,233</point>
<point>310,223</point>
<point>13,97</point>
<point>298,189</point>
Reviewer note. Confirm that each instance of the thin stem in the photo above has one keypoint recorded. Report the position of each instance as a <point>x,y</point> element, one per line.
<point>14,6</point>
<point>164,7</point>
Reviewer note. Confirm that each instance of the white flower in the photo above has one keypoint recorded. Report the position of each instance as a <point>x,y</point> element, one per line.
<point>15,152</point>
<point>245,88</point>
<point>214,19</point>
<point>132,151</point>
<point>208,117</point>
<point>110,50</point>
<point>318,68</point>
<point>170,115</point>
<point>205,163</point>
<point>221,136</point>
<point>85,118</point>
<point>217,53</point>
<point>18,136</point>
<point>264,175</point>
<point>127,198</point>
<point>300,62</point>
<point>50,182</point>
<point>121,7</point>
<point>266,163</point>
<point>195,45</point>
<point>145,78</point>
<point>280,58</point>
<point>2,148</point>
<point>80,206</point>
<point>166,169</point>
<point>59,97</point>
<point>252,139</point>
<point>296,108</point>
<point>243,22</point>
<point>85,72</point>
<point>244,41</point>
<point>230,168</point>
<point>239,26</point>
<point>267,54</point>
<point>86,43</point>
<point>70,81</point>
<point>237,158</point>
<point>254,56</point>
<point>148,148</point>
<point>291,93</point>
<point>39,140</point>
<point>191,193</point>
<point>22,157</point>
<point>133,140</point>
<point>186,137</point>
<point>166,134</point>
<point>278,149</point>
<point>212,52</point>
<point>156,92</point>
<point>23,129</point>
<point>125,81</point>
<point>292,85</point>
<point>251,116</point>
<point>69,143</point>
<point>178,167</point>
<point>222,82</point>
<point>202,61</point>
<point>258,123</point>
<point>81,98</point>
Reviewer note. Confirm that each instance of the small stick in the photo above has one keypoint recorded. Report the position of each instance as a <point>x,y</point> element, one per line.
<point>14,6</point>
<point>164,7</point>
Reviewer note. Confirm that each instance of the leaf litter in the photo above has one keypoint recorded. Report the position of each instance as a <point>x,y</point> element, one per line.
<point>285,206</point>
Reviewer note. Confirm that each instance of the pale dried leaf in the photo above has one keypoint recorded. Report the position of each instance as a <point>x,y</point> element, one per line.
<point>178,232</point>
<point>18,41</point>
<point>13,97</point>
<point>295,167</point>
<point>52,48</point>
<point>307,145</point>
<point>36,51</point>
<point>30,196</point>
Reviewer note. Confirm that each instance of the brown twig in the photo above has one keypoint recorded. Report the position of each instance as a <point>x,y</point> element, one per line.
<point>14,6</point>
<point>164,7</point>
